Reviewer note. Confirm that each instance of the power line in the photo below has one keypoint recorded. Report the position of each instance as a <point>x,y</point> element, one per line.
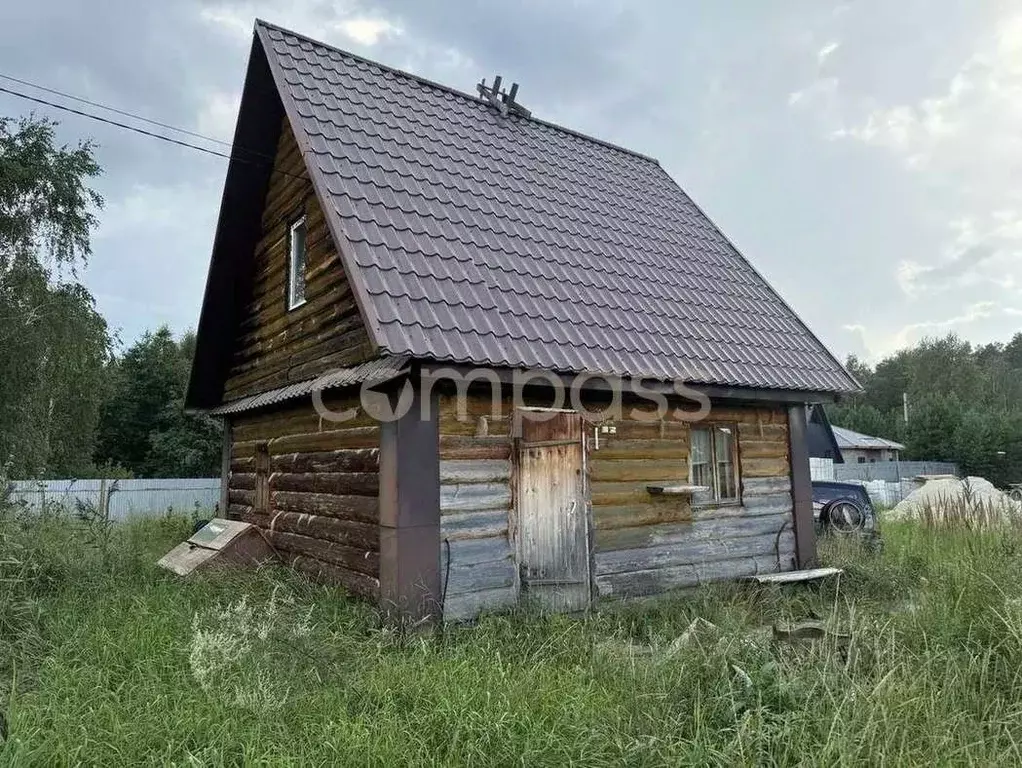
<point>115,110</point>
<point>258,160</point>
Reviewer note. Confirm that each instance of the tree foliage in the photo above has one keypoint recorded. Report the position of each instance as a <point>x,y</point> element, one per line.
<point>53,342</point>
<point>965,404</point>
<point>144,427</point>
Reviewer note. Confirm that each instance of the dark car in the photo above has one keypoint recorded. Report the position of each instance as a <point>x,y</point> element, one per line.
<point>843,508</point>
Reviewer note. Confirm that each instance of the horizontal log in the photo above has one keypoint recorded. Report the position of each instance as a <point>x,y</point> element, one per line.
<point>645,430</point>
<point>457,471</point>
<point>361,560</point>
<point>660,580</point>
<point>766,486</point>
<point>333,439</point>
<point>774,432</point>
<point>763,449</point>
<point>474,497</point>
<point>243,465</point>
<point>490,549</point>
<point>326,573</point>
<point>462,447</point>
<point>671,509</point>
<point>348,460</point>
<point>473,604</point>
<point>241,497</point>
<point>619,494</point>
<point>676,449</point>
<point>482,524</point>
<point>242,481</point>
<point>752,506</point>
<point>462,579</point>
<point>603,470</point>
<point>764,467</point>
<point>350,533</point>
<point>689,534</point>
<point>363,508</point>
<point>691,553</point>
<point>337,483</point>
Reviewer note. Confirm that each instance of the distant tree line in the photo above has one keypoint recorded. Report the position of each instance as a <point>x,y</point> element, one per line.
<point>964,404</point>
<point>70,406</point>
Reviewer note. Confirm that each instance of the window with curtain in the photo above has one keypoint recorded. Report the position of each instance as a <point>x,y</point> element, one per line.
<point>713,460</point>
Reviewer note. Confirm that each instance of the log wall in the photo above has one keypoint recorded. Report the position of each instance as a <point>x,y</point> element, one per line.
<point>322,510</point>
<point>274,346</point>
<point>642,544</point>
<point>475,506</point>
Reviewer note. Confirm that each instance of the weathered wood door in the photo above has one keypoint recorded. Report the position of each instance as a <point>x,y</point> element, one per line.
<point>552,506</point>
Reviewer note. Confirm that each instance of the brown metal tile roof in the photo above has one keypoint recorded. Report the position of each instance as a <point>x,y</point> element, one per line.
<point>373,372</point>
<point>506,241</point>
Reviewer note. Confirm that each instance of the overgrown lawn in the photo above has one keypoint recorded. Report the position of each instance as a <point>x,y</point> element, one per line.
<point>107,660</point>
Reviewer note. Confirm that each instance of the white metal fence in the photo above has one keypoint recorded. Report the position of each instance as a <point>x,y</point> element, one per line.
<point>125,498</point>
<point>887,483</point>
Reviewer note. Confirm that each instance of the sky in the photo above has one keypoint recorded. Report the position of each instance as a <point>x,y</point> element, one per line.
<point>864,155</point>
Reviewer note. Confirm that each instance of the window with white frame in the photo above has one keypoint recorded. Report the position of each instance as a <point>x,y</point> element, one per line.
<point>713,461</point>
<point>296,265</point>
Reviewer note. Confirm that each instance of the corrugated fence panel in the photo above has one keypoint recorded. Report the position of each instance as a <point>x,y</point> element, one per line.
<point>892,471</point>
<point>128,498</point>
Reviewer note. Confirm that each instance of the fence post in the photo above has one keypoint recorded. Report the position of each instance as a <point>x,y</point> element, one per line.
<point>103,499</point>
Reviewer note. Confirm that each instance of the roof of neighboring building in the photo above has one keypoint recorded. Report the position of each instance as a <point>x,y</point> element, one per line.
<point>847,439</point>
<point>483,239</point>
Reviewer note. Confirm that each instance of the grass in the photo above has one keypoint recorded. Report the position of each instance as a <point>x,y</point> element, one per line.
<point>106,660</point>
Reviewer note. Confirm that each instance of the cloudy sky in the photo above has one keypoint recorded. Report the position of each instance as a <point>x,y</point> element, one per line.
<point>865,155</point>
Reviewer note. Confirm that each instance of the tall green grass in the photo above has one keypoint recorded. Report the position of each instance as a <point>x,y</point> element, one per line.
<point>110,661</point>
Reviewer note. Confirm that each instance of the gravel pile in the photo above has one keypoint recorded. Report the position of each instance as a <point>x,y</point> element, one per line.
<point>950,499</point>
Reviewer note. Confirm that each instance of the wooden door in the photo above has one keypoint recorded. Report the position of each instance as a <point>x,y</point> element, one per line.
<point>553,514</point>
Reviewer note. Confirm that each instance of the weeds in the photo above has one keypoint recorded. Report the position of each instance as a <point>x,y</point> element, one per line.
<point>134,666</point>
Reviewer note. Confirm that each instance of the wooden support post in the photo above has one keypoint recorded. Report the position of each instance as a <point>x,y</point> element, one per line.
<point>225,466</point>
<point>801,487</point>
<point>410,513</point>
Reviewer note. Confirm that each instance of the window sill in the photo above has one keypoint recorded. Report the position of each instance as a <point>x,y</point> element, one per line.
<point>675,490</point>
<point>297,305</point>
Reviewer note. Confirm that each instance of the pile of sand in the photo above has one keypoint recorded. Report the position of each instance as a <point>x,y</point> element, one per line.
<point>948,499</point>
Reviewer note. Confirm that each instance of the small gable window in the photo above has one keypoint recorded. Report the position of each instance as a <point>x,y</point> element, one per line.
<point>713,465</point>
<point>296,265</point>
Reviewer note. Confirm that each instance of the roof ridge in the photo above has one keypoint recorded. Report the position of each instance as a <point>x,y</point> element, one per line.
<point>454,91</point>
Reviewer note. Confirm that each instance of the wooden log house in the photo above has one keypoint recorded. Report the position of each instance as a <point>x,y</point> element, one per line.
<point>392,256</point>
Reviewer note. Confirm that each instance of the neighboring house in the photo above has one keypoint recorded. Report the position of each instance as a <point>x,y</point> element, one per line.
<point>864,449</point>
<point>820,436</point>
<point>379,228</point>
